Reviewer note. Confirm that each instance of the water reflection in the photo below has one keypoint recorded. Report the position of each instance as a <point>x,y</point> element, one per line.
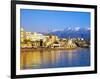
<point>55,58</point>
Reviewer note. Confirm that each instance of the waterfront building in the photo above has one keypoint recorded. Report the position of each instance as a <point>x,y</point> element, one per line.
<point>37,37</point>
<point>56,44</point>
<point>22,35</point>
<point>50,39</point>
<point>71,44</point>
<point>53,38</point>
<point>22,38</point>
<point>28,36</point>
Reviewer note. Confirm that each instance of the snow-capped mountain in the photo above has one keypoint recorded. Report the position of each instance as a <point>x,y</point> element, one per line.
<point>72,32</point>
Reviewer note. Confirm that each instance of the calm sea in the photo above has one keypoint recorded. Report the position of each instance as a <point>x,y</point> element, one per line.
<point>38,59</point>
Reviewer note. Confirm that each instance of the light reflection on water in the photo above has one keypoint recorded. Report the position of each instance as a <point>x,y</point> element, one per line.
<point>55,58</point>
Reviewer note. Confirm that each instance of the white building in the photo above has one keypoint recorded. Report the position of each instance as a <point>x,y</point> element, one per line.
<point>37,36</point>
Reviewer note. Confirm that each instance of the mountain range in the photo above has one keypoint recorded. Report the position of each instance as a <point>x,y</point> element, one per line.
<point>72,33</point>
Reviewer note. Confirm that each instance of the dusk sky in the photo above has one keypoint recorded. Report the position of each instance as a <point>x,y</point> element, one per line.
<point>46,20</point>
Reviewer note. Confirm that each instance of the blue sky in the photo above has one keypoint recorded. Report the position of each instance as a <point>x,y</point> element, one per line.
<point>46,20</point>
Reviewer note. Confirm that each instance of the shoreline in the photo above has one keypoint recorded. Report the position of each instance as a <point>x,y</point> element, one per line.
<point>38,49</point>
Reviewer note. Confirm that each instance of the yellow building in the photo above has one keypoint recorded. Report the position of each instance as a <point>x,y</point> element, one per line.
<point>71,44</point>
<point>52,38</point>
<point>22,34</point>
<point>25,38</point>
<point>29,39</point>
<point>28,35</point>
